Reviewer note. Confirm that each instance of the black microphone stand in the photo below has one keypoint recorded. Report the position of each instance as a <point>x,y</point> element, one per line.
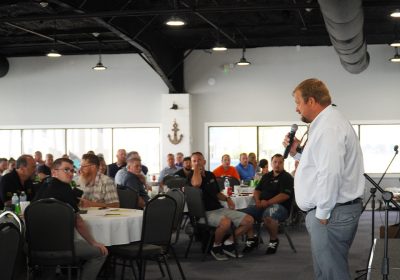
<point>387,197</point>
<point>372,190</point>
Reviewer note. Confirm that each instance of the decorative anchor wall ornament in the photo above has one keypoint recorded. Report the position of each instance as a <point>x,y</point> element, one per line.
<point>175,129</point>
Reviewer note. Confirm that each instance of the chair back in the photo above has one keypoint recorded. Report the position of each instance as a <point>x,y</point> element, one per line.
<point>179,198</point>
<point>195,204</point>
<point>166,179</point>
<point>158,221</point>
<point>10,244</point>
<point>232,182</point>
<point>176,182</point>
<point>127,198</point>
<point>50,227</point>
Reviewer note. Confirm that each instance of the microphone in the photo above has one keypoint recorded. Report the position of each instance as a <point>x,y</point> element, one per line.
<point>396,148</point>
<point>292,133</point>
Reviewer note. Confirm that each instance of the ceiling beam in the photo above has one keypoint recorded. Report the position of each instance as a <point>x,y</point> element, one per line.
<point>161,68</point>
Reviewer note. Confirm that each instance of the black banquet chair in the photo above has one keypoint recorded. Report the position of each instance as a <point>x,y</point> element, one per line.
<point>10,243</point>
<point>176,183</point>
<point>232,182</point>
<point>127,198</point>
<point>158,221</point>
<point>198,220</point>
<point>49,234</point>
<point>179,198</point>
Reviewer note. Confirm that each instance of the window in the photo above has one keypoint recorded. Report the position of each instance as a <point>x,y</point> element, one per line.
<point>80,141</point>
<point>10,143</point>
<point>270,143</point>
<point>232,141</point>
<point>377,144</point>
<point>48,141</point>
<point>145,140</point>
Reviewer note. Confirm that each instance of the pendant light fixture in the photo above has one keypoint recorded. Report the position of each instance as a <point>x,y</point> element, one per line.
<point>395,13</point>
<point>396,57</point>
<point>99,66</point>
<point>53,53</point>
<point>243,61</point>
<point>175,21</point>
<point>218,46</point>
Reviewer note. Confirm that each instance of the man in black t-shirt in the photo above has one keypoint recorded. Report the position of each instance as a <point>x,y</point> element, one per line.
<point>186,168</point>
<point>58,187</point>
<point>273,198</point>
<point>18,180</point>
<point>217,215</point>
<point>113,168</point>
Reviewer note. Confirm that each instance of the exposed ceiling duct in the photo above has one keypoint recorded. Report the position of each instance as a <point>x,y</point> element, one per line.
<point>344,22</point>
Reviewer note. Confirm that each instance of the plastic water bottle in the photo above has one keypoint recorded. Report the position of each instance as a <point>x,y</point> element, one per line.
<point>22,197</point>
<point>15,203</point>
<point>226,183</point>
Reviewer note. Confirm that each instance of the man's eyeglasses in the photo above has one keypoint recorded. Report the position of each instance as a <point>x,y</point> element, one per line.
<point>67,170</point>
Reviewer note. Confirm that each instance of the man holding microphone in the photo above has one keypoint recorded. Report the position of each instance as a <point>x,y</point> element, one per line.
<point>329,179</point>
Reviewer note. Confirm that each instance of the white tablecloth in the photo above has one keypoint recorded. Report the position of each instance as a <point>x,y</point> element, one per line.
<point>241,201</point>
<point>114,226</point>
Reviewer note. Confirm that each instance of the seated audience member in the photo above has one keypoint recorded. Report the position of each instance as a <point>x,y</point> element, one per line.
<point>42,173</point>
<point>3,165</point>
<point>18,180</point>
<point>170,169</point>
<point>217,215</point>
<point>98,189</point>
<point>296,163</point>
<point>120,163</point>
<point>253,160</point>
<point>121,174</point>
<point>49,160</point>
<point>225,169</point>
<point>179,160</point>
<point>136,181</point>
<point>186,168</point>
<point>10,167</point>
<point>103,164</point>
<point>246,171</point>
<point>38,158</point>
<point>263,164</point>
<point>273,198</point>
<point>87,249</point>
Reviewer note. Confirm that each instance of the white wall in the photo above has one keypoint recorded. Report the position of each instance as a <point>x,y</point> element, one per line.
<point>262,92</point>
<point>39,91</point>
<point>66,91</point>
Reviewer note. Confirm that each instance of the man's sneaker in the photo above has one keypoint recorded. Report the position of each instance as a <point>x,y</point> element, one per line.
<point>249,246</point>
<point>218,254</point>
<point>272,247</point>
<point>231,251</point>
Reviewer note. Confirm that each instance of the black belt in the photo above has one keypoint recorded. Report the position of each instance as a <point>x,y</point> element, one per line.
<point>357,200</point>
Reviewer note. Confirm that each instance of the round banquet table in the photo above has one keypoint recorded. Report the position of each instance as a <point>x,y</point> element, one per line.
<point>114,226</point>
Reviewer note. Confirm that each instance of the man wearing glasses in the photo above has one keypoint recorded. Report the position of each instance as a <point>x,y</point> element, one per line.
<point>58,187</point>
<point>99,190</point>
